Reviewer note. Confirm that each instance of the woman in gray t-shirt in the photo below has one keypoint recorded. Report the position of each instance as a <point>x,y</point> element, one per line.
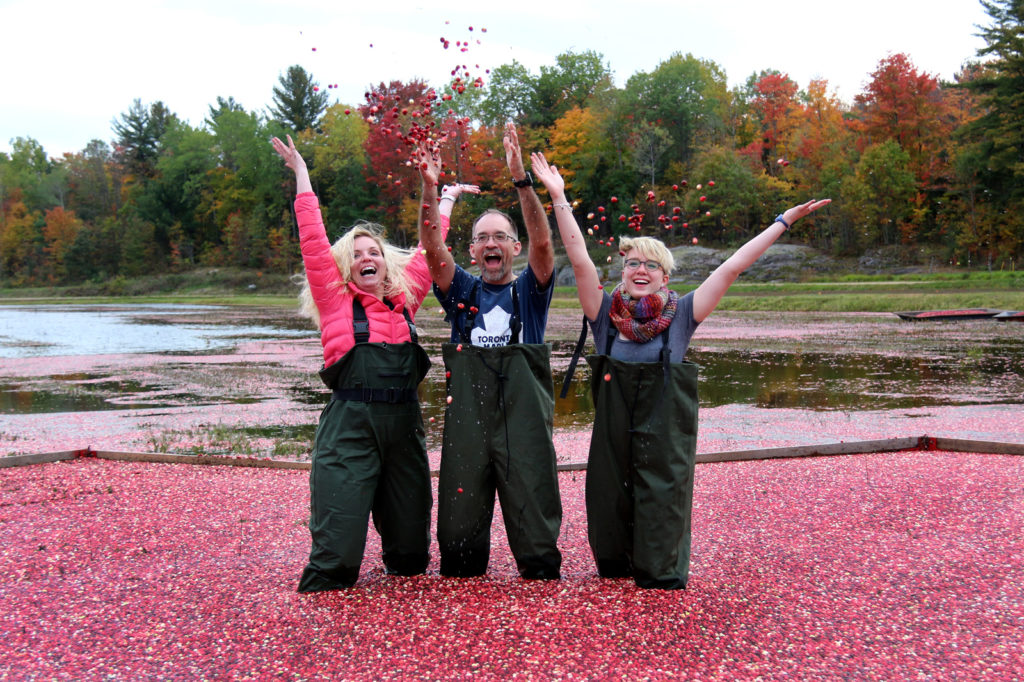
<point>643,445</point>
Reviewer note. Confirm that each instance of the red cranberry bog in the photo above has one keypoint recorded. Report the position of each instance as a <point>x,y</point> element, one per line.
<point>892,565</point>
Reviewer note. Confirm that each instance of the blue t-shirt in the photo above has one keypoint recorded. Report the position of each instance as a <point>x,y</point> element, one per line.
<point>492,325</point>
<point>679,333</point>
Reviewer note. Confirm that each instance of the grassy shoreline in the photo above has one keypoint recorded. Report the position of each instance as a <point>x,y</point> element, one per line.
<point>843,293</point>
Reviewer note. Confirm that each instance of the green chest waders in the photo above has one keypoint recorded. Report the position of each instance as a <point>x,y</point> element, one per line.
<point>639,489</point>
<point>369,455</point>
<point>497,437</point>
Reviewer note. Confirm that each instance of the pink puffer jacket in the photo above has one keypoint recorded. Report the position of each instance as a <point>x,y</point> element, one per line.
<point>335,302</point>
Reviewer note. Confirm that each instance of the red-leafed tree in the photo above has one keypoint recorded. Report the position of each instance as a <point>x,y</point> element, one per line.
<point>904,105</point>
<point>774,103</point>
<point>393,111</point>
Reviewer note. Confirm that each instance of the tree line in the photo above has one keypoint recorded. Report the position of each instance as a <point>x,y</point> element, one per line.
<point>914,165</point>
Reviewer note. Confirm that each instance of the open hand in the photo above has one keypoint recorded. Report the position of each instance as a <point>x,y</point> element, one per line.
<point>428,161</point>
<point>289,153</point>
<point>797,212</point>
<point>454,191</point>
<point>513,155</point>
<point>549,176</point>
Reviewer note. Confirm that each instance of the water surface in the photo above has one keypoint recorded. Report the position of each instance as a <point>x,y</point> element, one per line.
<point>187,367</point>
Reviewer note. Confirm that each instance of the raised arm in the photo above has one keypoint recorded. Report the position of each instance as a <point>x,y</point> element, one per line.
<point>450,194</point>
<point>439,260</point>
<point>587,281</point>
<point>293,160</point>
<point>541,252</point>
<point>711,291</point>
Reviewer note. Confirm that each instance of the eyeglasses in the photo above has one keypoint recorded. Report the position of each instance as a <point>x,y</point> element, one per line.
<point>633,264</point>
<point>499,237</point>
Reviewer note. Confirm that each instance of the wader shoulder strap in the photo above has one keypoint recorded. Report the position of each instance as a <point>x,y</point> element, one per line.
<point>516,324</point>
<point>609,338</point>
<point>576,353</point>
<point>413,336</point>
<point>666,359</point>
<point>361,325</point>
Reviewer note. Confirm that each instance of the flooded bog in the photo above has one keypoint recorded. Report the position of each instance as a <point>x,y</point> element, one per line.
<point>240,379</point>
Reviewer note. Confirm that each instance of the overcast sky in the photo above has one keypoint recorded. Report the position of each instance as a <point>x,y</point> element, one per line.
<point>71,67</point>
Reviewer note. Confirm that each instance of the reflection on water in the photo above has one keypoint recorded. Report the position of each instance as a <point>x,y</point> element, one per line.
<point>54,330</point>
<point>834,381</point>
<point>770,361</point>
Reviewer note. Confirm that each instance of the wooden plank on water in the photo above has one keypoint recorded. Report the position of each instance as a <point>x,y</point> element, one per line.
<point>824,449</point>
<point>42,458</point>
<point>980,446</point>
<point>845,448</point>
<point>209,460</point>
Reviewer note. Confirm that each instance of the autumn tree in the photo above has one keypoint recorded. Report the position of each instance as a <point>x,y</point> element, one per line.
<point>901,104</point>
<point>774,103</point>
<point>989,186</point>
<point>476,156</point>
<point>59,232</point>
<point>388,148</point>
<point>821,143</point>
<point>576,148</point>
<point>990,235</point>
<point>21,242</point>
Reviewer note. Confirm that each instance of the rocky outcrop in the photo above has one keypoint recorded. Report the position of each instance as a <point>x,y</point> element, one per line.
<point>781,262</point>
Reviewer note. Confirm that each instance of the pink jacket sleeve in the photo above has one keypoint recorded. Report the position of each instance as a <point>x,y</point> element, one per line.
<point>321,270</point>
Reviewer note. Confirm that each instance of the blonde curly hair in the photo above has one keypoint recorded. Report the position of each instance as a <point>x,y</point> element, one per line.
<point>395,260</point>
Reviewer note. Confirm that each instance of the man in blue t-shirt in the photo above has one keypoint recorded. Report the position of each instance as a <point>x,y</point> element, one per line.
<point>498,424</point>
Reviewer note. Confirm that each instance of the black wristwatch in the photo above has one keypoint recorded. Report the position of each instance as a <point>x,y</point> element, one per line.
<point>525,182</point>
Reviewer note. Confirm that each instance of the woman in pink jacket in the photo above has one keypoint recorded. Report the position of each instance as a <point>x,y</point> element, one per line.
<point>369,454</point>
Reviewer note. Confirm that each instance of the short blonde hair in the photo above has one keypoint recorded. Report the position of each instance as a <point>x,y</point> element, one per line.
<point>651,249</point>
<point>395,260</point>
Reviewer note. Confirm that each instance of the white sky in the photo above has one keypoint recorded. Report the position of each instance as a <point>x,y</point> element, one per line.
<point>71,67</point>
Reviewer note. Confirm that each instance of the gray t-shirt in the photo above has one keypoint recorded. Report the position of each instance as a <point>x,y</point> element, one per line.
<point>679,333</point>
